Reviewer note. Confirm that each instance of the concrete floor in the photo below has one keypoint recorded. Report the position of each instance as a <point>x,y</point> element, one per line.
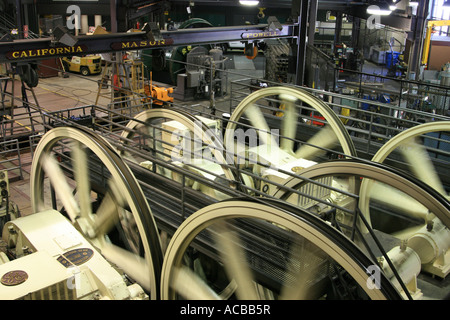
<point>52,94</point>
<point>61,93</point>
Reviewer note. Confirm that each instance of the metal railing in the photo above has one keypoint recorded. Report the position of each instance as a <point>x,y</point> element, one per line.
<point>172,197</point>
<point>427,96</point>
<point>10,158</point>
<point>369,123</point>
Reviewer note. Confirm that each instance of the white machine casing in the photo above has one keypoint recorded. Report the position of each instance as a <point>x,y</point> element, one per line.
<point>53,260</point>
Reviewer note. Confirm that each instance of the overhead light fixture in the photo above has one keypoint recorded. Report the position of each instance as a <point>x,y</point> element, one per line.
<point>382,9</point>
<point>393,5</point>
<point>249,2</point>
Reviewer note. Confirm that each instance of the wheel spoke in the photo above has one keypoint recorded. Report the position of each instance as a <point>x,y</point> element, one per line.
<point>133,265</point>
<point>289,126</point>
<point>235,263</point>
<point>81,172</point>
<point>257,120</point>
<point>62,188</point>
<point>325,138</point>
<point>190,286</point>
<point>421,165</point>
<point>107,215</point>
<point>398,200</point>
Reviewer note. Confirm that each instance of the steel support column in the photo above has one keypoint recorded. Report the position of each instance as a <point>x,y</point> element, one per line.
<point>19,22</point>
<point>113,12</point>
<point>312,21</point>
<point>356,27</point>
<point>300,10</point>
<point>337,31</point>
<point>419,29</point>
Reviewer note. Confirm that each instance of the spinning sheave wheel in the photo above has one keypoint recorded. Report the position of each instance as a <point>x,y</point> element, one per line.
<point>399,182</point>
<point>289,254</point>
<point>424,149</point>
<point>179,138</point>
<point>410,144</point>
<point>294,114</point>
<point>102,199</point>
<point>352,196</point>
<point>408,147</point>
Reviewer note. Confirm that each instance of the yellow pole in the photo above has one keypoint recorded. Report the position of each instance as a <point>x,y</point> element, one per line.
<point>427,42</point>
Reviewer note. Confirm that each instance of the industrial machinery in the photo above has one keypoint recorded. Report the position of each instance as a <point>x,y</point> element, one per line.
<point>181,139</point>
<point>325,194</point>
<point>284,229</point>
<point>277,52</point>
<point>7,207</point>
<point>322,246</point>
<point>305,265</point>
<point>115,221</point>
<point>188,140</point>
<point>160,95</point>
<point>204,76</point>
<point>44,257</point>
<point>272,202</point>
<point>51,255</point>
<point>412,145</point>
<point>168,63</point>
<point>282,116</point>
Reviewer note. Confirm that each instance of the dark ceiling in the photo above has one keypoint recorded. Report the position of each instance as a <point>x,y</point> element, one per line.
<point>356,8</point>
<point>287,4</point>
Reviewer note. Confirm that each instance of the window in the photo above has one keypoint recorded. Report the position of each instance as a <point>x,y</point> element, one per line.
<point>439,12</point>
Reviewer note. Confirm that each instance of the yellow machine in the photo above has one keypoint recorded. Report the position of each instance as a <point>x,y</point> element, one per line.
<point>84,65</point>
<point>427,43</point>
<point>160,94</point>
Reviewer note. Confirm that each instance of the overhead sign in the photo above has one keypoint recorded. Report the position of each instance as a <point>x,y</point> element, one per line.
<point>45,52</point>
<point>142,44</point>
<point>260,34</point>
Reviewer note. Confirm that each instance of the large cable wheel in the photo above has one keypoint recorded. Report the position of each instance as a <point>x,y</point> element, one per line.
<point>292,112</point>
<point>259,250</point>
<point>402,201</point>
<point>178,137</point>
<point>96,190</point>
<point>409,147</point>
<point>410,143</point>
<point>406,194</point>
